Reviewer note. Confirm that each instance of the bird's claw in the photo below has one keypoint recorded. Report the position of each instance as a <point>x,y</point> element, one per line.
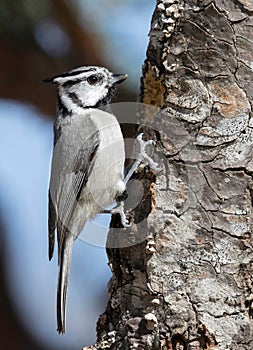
<point>143,156</point>
<point>120,210</point>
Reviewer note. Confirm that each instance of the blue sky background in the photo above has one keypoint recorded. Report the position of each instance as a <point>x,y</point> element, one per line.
<point>123,26</point>
<point>26,146</point>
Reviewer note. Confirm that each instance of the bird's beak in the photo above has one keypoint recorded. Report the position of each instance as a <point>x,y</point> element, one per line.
<point>118,78</point>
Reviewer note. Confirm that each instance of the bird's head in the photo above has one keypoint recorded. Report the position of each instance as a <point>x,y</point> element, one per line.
<point>86,87</point>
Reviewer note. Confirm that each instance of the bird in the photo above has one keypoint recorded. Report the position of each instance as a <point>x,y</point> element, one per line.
<point>87,167</point>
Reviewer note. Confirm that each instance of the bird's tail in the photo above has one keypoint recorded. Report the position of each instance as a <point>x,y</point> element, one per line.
<point>63,278</point>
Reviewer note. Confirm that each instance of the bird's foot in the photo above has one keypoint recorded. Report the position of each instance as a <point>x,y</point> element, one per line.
<point>143,157</point>
<point>119,209</point>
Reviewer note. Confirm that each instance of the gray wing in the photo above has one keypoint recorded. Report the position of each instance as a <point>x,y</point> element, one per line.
<point>52,215</point>
<point>73,160</point>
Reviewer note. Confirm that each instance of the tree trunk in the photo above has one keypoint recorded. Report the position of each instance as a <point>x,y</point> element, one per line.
<point>187,284</point>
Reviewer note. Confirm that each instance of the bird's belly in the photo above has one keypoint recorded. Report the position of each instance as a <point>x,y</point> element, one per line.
<point>106,180</point>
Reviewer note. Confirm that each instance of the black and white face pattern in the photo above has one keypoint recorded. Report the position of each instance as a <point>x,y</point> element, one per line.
<point>85,87</point>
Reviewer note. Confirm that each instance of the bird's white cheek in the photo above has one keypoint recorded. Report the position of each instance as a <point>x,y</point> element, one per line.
<point>93,96</point>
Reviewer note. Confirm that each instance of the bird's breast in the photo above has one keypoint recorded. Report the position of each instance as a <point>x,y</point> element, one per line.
<point>106,179</point>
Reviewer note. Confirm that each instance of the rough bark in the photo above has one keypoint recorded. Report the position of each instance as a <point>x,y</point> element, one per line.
<point>188,283</point>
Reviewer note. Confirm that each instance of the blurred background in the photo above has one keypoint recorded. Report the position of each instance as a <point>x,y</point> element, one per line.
<point>39,39</point>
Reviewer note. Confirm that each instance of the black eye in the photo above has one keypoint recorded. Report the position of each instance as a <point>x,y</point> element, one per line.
<point>94,79</point>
